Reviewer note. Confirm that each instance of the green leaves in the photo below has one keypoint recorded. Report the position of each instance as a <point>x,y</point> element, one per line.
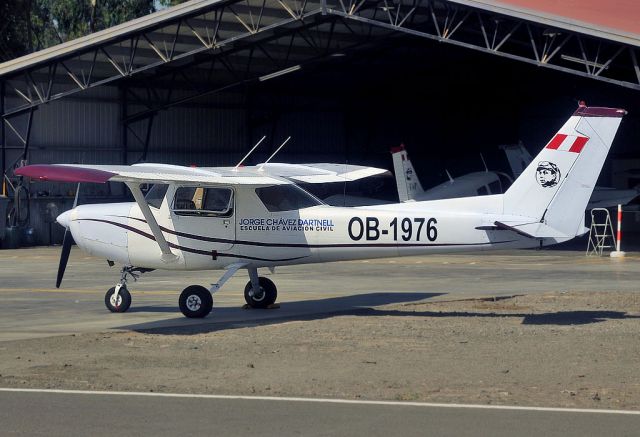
<point>31,25</point>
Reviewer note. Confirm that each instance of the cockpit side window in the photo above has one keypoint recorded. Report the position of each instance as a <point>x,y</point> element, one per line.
<point>156,194</point>
<point>203,201</point>
<point>286,198</point>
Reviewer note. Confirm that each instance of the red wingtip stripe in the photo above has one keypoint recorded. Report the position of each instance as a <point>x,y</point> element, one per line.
<point>556,141</point>
<point>578,144</point>
<point>397,149</point>
<point>62,173</point>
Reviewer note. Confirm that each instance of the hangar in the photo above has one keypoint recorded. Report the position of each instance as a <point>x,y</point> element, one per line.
<point>201,82</point>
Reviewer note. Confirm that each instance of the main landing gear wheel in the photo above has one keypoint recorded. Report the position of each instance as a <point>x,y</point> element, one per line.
<point>195,302</point>
<point>119,304</point>
<point>264,297</point>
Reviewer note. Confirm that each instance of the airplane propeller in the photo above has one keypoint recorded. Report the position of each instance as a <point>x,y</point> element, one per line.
<point>67,242</point>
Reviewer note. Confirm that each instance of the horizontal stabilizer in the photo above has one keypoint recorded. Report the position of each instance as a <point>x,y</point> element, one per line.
<point>533,230</point>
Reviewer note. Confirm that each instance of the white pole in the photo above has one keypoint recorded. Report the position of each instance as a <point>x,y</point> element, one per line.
<point>618,253</point>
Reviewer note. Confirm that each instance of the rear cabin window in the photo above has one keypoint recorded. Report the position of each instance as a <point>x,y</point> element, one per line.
<point>202,201</point>
<point>495,187</point>
<point>156,194</point>
<point>483,190</point>
<point>286,198</point>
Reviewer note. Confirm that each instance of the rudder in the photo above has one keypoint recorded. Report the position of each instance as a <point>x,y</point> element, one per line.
<point>407,181</point>
<point>555,188</point>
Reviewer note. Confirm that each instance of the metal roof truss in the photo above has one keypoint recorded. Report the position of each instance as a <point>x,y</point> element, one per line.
<point>211,34</point>
<point>232,42</point>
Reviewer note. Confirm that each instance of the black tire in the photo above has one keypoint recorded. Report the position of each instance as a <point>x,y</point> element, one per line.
<point>124,300</point>
<point>267,296</point>
<point>195,302</point>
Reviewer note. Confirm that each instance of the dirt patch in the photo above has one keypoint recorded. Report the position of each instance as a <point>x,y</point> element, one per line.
<point>556,349</point>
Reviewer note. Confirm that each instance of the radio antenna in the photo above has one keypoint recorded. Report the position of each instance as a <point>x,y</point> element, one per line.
<point>250,151</point>
<point>484,162</point>
<point>449,175</point>
<point>274,153</point>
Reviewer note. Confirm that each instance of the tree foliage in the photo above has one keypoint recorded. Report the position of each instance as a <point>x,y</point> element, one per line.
<point>31,25</point>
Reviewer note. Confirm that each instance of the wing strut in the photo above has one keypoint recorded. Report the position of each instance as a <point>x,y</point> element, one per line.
<point>167,255</point>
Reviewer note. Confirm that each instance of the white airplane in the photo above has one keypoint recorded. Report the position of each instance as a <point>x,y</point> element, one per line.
<point>257,217</point>
<point>603,197</point>
<point>410,189</point>
<point>471,184</point>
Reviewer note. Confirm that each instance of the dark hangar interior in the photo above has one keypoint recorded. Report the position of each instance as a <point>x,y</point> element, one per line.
<point>200,83</point>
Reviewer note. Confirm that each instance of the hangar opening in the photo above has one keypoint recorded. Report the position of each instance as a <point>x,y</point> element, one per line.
<point>201,82</point>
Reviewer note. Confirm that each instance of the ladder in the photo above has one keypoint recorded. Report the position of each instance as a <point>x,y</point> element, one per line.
<point>601,234</point>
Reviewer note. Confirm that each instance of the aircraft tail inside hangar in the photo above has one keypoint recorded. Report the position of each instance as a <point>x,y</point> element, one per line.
<point>201,82</point>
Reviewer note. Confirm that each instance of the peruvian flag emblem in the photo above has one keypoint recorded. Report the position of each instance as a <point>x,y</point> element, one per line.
<point>567,143</point>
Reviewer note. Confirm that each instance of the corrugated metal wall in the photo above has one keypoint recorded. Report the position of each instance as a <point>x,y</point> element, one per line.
<point>214,131</point>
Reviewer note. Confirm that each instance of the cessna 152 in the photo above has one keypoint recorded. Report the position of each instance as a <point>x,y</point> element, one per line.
<point>256,217</point>
<point>410,189</point>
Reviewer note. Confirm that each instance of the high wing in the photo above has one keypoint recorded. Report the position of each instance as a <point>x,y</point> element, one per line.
<point>143,173</point>
<point>319,173</point>
<point>135,175</point>
<point>270,173</point>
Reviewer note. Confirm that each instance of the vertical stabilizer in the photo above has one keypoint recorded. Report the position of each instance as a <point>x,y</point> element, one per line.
<point>519,158</point>
<point>406,179</point>
<point>555,188</point>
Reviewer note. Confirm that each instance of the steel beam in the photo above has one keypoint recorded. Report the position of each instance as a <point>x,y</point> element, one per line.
<point>226,26</point>
<point>497,34</point>
<point>250,23</point>
<point>250,73</point>
<point>123,128</point>
<point>3,139</point>
<point>27,138</point>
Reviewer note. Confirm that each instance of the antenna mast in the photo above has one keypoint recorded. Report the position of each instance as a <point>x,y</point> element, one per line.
<point>484,162</point>
<point>274,153</point>
<point>250,151</point>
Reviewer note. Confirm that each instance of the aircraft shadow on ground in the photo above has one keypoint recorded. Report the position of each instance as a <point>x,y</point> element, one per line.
<point>232,318</point>
<point>557,318</point>
<point>152,309</point>
<point>356,305</point>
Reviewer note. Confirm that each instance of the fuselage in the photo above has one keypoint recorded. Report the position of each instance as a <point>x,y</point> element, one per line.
<point>250,232</point>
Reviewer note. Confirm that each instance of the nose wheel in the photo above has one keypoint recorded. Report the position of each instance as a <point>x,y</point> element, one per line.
<point>118,298</point>
<point>195,302</point>
<point>118,302</point>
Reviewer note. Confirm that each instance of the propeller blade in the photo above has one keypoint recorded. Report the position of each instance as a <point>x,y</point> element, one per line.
<point>75,200</point>
<point>67,242</point>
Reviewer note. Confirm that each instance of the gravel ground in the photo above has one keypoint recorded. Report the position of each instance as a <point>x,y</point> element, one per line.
<point>554,349</point>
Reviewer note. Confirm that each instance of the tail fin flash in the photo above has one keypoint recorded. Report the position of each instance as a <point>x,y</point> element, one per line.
<point>555,188</point>
<point>406,179</point>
